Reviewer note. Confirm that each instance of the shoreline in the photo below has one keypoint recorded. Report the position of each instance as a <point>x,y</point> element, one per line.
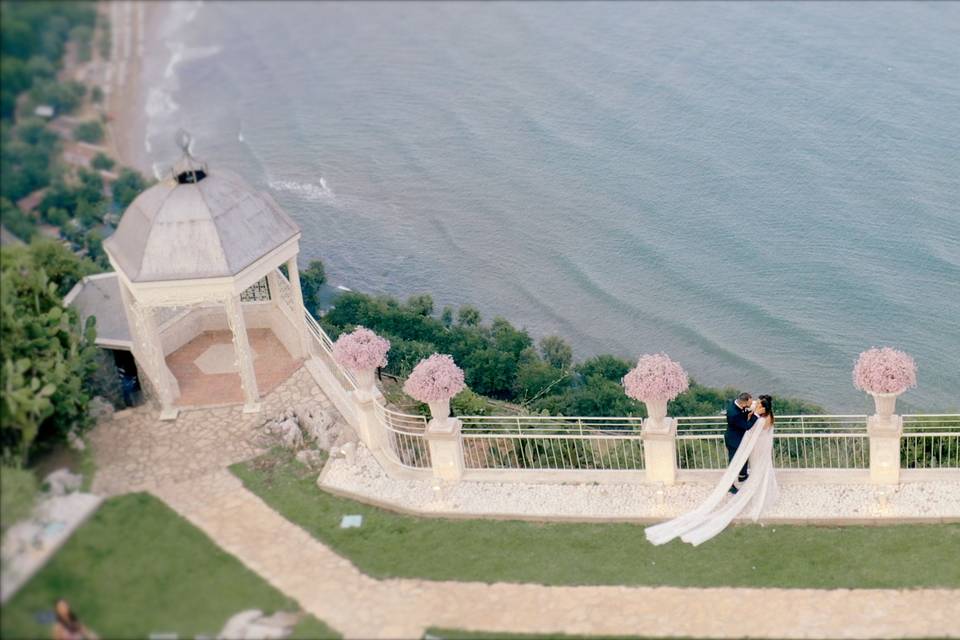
<point>126,125</point>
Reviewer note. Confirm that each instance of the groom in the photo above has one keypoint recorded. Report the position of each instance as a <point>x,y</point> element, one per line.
<point>737,426</point>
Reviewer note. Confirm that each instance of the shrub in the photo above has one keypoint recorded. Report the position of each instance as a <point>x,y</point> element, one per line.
<point>91,131</point>
<point>102,162</point>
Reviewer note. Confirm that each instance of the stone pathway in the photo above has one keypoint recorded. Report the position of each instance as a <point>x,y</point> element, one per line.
<point>137,451</point>
<point>332,589</point>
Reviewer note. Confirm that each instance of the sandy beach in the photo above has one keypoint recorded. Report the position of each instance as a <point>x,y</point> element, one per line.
<point>123,88</point>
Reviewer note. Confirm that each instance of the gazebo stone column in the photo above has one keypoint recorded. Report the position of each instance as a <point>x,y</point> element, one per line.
<point>148,350</point>
<point>301,321</point>
<point>248,378</point>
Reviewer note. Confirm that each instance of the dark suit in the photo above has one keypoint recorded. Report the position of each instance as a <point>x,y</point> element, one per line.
<point>737,426</point>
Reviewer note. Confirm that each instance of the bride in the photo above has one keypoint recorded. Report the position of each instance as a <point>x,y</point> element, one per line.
<point>757,493</point>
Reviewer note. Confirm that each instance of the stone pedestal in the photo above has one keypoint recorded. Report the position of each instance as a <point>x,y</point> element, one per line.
<point>660,449</point>
<point>884,432</point>
<point>369,429</point>
<point>446,448</point>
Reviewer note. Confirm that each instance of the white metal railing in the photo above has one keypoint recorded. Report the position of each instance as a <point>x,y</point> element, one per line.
<point>406,438</point>
<point>616,444</point>
<point>552,443</point>
<point>930,441</point>
<point>799,442</point>
<point>325,349</point>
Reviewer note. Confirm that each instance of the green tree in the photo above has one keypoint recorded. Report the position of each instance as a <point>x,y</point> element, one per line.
<point>128,185</point>
<point>102,162</point>
<point>446,316</point>
<point>83,35</point>
<point>46,358</point>
<point>468,316</point>
<point>556,352</point>
<point>421,305</point>
<point>16,221</point>
<point>64,97</point>
<point>311,280</point>
<point>90,131</point>
<point>605,366</point>
<point>62,267</point>
<point>536,379</point>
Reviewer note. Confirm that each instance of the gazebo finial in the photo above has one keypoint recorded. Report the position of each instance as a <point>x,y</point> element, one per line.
<point>188,170</point>
<point>184,140</point>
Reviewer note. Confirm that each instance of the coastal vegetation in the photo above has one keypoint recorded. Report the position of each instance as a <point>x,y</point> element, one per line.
<point>48,359</point>
<point>49,365</point>
<point>154,572</point>
<point>505,366</point>
<point>71,200</point>
<point>34,39</point>
<point>392,545</point>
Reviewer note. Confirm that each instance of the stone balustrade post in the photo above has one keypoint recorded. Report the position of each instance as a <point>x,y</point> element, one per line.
<point>371,432</point>
<point>446,448</point>
<point>884,433</point>
<point>660,449</point>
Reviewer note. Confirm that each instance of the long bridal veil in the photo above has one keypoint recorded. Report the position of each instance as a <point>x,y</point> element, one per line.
<point>711,517</point>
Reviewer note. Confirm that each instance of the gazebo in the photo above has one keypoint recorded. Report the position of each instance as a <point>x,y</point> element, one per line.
<point>198,259</point>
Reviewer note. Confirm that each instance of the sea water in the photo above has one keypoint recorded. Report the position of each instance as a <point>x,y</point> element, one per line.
<point>759,190</point>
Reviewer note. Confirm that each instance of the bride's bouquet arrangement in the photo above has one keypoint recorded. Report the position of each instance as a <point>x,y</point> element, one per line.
<point>885,370</point>
<point>655,378</point>
<point>435,379</point>
<point>361,350</point>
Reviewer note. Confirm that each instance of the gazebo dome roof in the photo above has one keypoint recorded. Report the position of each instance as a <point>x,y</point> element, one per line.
<point>199,223</point>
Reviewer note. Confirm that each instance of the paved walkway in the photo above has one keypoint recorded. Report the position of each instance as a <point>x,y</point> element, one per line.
<point>137,451</point>
<point>332,589</point>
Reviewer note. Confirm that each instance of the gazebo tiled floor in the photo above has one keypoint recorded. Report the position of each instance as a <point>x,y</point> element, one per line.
<point>207,373</point>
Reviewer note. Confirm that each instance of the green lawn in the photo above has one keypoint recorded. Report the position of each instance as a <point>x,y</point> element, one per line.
<point>137,567</point>
<point>393,545</point>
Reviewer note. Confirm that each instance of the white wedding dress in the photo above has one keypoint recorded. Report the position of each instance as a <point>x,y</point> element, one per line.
<point>755,495</point>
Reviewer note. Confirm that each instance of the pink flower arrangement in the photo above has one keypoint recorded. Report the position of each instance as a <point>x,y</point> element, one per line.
<point>884,370</point>
<point>434,379</point>
<point>656,377</point>
<point>361,350</point>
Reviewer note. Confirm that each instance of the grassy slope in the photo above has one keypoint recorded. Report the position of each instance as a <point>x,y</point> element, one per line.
<point>137,567</point>
<point>393,545</point>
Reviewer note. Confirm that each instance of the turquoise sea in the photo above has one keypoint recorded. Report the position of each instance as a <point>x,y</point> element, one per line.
<point>760,190</point>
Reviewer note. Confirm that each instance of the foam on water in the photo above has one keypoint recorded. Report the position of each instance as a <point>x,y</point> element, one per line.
<point>306,190</point>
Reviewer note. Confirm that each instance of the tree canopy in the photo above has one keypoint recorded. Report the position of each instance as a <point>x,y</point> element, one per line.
<point>46,358</point>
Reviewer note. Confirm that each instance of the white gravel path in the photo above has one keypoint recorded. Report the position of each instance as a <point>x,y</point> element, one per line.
<point>932,500</point>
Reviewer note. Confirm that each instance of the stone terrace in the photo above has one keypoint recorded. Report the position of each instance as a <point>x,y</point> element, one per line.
<point>137,451</point>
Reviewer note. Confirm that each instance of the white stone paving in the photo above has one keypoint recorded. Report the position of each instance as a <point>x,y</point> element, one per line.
<point>366,478</point>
